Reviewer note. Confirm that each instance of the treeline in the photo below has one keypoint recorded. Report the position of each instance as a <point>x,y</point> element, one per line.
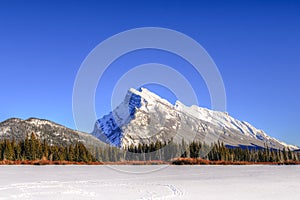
<point>219,152</point>
<point>215,152</point>
<point>32,148</point>
<point>143,152</point>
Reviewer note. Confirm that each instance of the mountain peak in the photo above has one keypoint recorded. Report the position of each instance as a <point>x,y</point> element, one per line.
<point>148,96</point>
<point>145,117</point>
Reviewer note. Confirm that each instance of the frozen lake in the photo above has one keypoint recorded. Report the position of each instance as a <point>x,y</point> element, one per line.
<point>170,182</point>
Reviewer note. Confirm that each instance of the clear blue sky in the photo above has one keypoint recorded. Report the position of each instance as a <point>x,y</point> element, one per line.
<point>255,44</point>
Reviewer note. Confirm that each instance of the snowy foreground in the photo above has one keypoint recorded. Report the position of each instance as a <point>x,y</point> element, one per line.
<point>159,182</point>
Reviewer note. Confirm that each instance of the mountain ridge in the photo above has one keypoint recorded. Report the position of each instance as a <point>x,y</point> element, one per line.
<point>144,117</point>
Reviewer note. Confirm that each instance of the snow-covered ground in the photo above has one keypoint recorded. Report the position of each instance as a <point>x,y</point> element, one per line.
<point>170,182</point>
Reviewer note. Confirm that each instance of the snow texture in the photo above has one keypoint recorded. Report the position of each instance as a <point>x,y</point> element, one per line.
<point>171,182</point>
<point>144,117</point>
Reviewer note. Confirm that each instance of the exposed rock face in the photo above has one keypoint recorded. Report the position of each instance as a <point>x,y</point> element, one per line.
<point>144,117</point>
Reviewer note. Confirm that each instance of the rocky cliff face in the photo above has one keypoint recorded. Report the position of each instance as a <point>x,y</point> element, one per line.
<point>144,117</point>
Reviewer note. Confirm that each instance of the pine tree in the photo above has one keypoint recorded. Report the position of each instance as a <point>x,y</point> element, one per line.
<point>8,151</point>
<point>71,153</point>
<point>18,151</point>
<point>27,148</point>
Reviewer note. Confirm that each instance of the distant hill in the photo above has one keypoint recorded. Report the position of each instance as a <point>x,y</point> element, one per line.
<point>53,133</point>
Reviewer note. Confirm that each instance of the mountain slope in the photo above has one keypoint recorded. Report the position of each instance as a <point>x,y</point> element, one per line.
<point>53,133</point>
<point>144,117</point>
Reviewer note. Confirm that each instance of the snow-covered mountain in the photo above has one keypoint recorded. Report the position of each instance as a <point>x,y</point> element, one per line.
<point>144,117</point>
<point>53,133</point>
